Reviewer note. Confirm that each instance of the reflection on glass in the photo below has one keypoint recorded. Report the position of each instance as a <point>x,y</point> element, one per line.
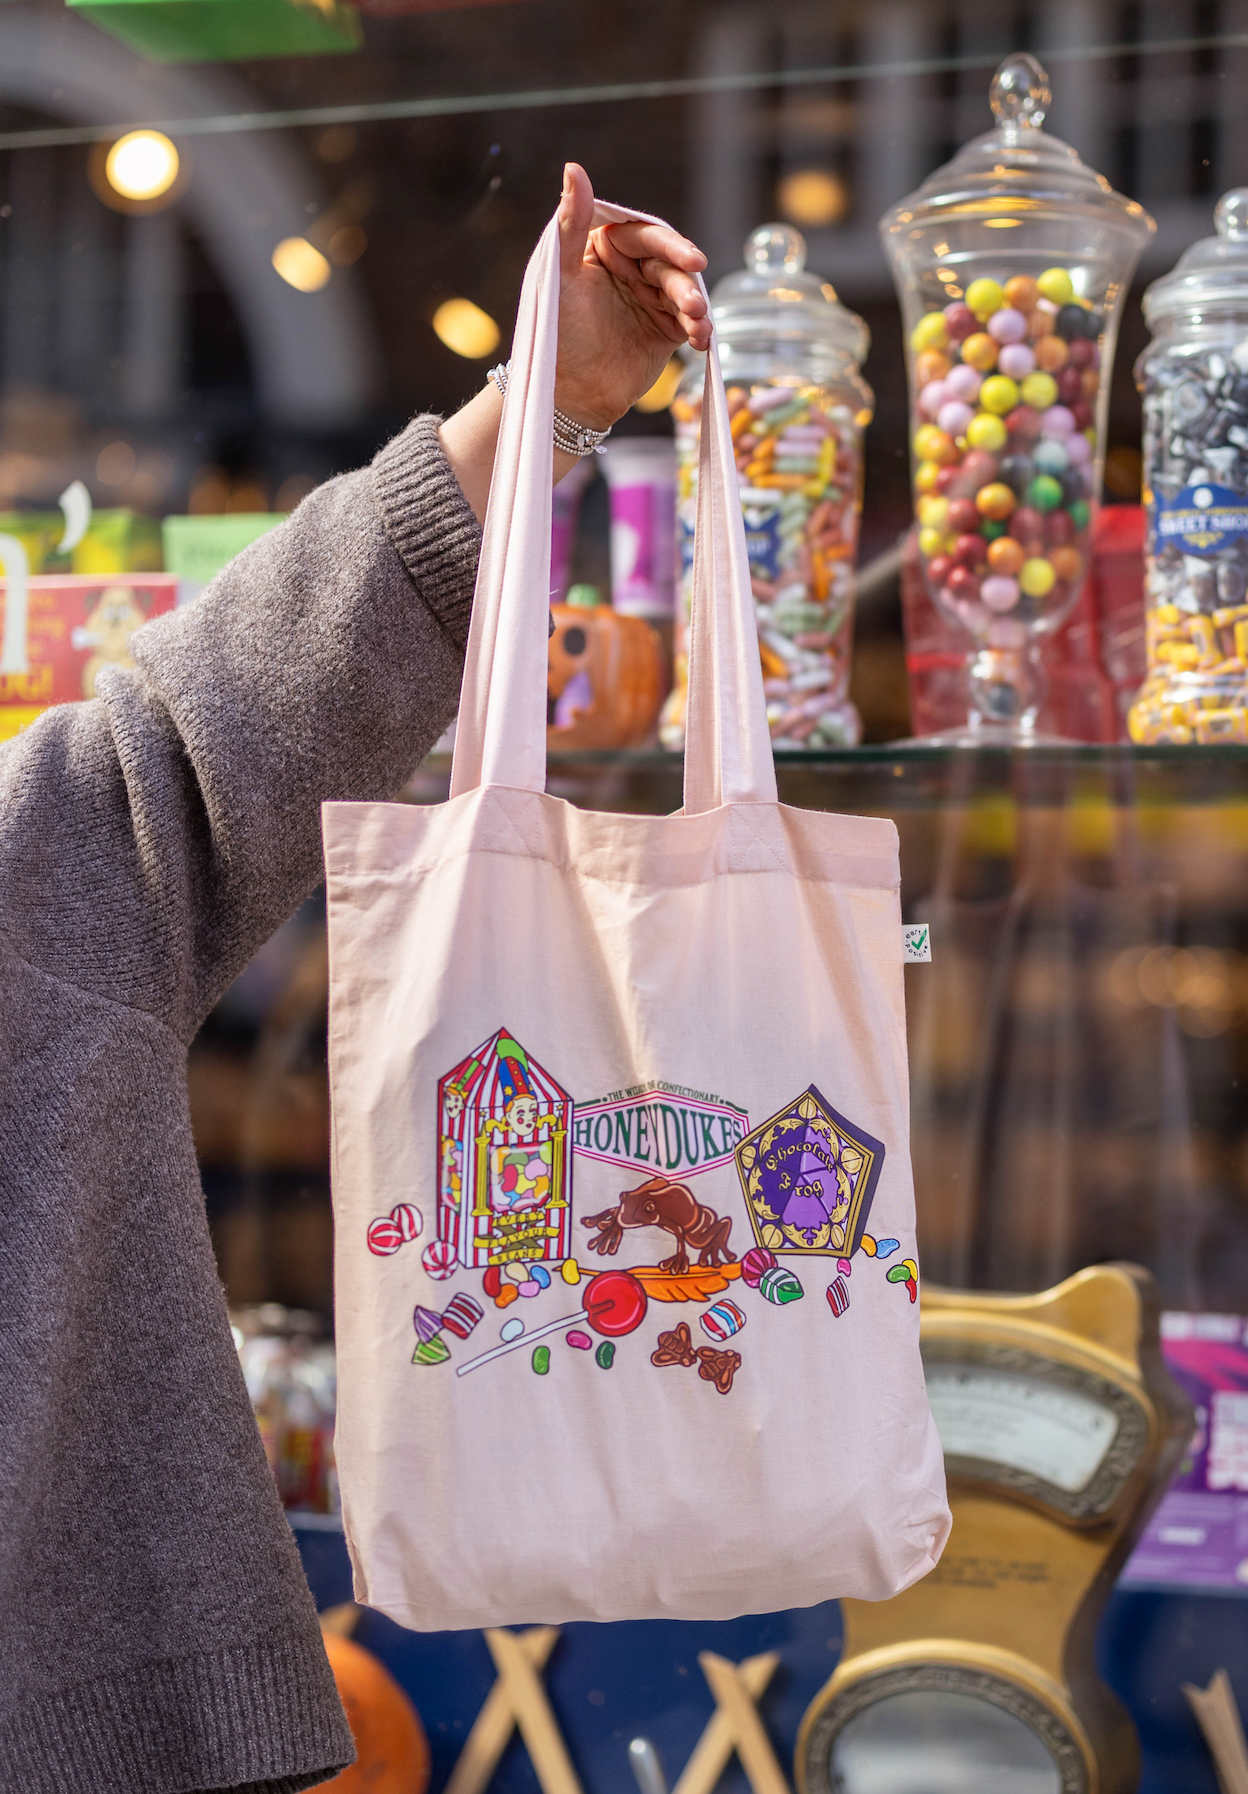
<point>940,1743</point>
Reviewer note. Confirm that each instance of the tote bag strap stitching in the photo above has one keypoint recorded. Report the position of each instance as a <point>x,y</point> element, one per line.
<point>752,823</point>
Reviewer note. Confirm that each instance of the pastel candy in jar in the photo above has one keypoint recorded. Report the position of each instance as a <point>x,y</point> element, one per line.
<point>1011,263</point>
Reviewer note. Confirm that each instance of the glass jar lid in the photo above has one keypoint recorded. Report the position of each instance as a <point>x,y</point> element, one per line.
<point>775,300</point>
<point>1019,166</point>
<point>1212,273</point>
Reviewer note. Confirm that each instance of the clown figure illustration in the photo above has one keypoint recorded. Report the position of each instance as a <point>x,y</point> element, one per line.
<point>521,1168</point>
<point>504,1170</point>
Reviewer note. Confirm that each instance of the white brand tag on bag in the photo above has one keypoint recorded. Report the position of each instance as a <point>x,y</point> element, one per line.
<point>916,941</point>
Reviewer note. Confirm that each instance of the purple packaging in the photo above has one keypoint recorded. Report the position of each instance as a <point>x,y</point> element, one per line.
<point>641,477</point>
<point>1198,1536</point>
<point>565,509</point>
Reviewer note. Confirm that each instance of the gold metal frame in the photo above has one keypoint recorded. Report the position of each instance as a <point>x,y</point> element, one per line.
<point>1009,1615</point>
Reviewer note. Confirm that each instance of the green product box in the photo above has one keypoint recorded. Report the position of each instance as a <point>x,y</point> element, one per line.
<point>117,541</point>
<point>196,548</point>
<point>226,30</point>
<point>38,532</point>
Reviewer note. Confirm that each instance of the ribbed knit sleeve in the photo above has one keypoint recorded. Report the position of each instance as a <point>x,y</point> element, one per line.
<point>152,838</point>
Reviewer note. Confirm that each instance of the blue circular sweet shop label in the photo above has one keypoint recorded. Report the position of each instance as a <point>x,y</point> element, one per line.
<point>1200,520</point>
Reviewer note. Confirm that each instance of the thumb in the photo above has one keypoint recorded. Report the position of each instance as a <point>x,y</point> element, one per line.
<point>576,214</point>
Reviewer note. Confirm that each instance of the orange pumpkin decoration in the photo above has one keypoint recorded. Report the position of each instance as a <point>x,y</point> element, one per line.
<point>392,1750</point>
<point>605,680</point>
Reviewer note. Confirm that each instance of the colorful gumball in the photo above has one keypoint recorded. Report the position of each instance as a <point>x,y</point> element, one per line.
<point>1051,354</point>
<point>1039,391</point>
<point>984,297</point>
<point>960,322</point>
<point>986,432</point>
<point>995,501</point>
<point>1056,285</point>
<point>932,365</point>
<point>930,332</point>
<point>1006,556</point>
<point>1037,577</point>
<point>1022,292</point>
<point>981,351</point>
<point>1000,394</point>
<point>963,382</point>
<point>999,592</point>
<point>1007,325</point>
<point>1016,360</point>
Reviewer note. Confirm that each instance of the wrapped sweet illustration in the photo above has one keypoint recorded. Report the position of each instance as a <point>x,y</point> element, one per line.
<point>504,1169</point>
<point>809,1177</point>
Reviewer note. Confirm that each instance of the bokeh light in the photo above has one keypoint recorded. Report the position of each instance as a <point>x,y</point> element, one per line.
<point>142,165</point>
<point>301,265</point>
<point>465,329</point>
<point>814,197</point>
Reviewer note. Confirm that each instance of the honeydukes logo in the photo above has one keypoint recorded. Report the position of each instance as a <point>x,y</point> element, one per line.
<point>660,1127</point>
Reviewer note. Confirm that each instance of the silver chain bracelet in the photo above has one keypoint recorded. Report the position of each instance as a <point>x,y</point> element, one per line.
<point>570,437</point>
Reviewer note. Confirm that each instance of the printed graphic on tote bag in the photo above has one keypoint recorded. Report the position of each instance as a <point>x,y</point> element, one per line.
<point>507,1131</point>
<point>504,1170</point>
<point>809,1177</point>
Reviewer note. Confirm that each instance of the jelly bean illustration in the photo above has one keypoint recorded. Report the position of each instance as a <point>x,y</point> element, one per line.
<point>541,1359</point>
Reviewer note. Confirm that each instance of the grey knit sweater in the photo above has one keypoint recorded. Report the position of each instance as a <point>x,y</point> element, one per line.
<point>156,1632</point>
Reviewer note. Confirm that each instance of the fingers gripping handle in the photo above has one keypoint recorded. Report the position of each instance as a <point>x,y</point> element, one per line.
<point>501,737</point>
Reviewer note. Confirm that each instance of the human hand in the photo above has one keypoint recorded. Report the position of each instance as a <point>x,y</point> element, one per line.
<point>628,296</point>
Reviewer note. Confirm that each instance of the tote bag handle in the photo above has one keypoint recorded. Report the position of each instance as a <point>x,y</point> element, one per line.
<point>501,735</point>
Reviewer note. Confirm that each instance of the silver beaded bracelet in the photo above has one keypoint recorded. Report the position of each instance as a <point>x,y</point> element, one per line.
<point>570,437</point>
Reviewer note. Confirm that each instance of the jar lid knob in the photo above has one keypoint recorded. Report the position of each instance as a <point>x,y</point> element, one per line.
<point>775,249</point>
<point>1020,92</point>
<point>1230,215</point>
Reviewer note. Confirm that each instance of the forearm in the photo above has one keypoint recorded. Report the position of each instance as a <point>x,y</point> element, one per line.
<point>469,442</point>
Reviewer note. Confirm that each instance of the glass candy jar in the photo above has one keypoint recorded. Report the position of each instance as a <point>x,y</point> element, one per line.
<point>798,404</point>
<point>1194,378</point>
<point>1011,264</point>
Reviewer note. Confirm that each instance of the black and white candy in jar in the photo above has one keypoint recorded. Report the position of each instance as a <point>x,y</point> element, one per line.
<point>1194,380</point>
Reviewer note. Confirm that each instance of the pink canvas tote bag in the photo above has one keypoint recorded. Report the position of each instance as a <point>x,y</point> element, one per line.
<point>625,1254</point>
